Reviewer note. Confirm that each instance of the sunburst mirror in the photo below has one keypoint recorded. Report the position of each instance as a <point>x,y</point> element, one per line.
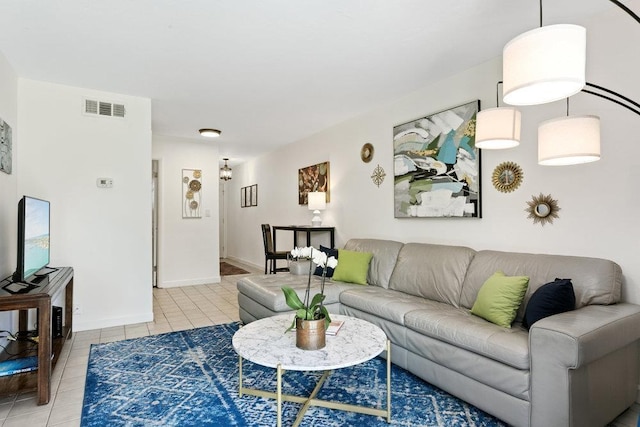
<point>542,209</point>
<point>506,177</point>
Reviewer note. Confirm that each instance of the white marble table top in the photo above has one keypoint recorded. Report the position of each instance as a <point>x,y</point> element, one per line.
<point>266,343</point>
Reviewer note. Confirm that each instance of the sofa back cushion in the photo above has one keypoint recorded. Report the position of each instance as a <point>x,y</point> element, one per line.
<point>595,281</point>
<point>435,272</point>
<point>385,254</point>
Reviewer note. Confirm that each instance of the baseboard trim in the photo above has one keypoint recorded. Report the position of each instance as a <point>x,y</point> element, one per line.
<point>86,325</point>
<point>190,282</point>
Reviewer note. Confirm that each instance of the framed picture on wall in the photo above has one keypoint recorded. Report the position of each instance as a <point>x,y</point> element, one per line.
<point>243,197</point>
<point>254,195</point>
<point>437,165</point>
<point>313,178</point>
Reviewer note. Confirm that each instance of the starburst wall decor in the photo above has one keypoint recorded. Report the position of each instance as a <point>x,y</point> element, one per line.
<point>542,209</point>
<point>378,176</point>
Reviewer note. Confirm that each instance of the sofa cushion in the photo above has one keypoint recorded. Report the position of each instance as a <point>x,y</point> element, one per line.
<point>499,298</point>
<point>385,254</point>
<point>595,281</point>
<point>553,298</point>
<point>384,303</point>
<point>266,289</point>
<point>330,253</point>
<point>435,272</point>
<point>457,326</point>
<point>352,267</point>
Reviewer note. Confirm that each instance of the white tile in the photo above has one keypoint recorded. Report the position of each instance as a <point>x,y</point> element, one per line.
<point>35,419</point>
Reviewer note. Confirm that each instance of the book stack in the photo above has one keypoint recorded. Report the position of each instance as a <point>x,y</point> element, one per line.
<point>334,327</point>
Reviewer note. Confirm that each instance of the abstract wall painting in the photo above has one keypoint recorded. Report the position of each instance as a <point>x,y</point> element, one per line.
<point>437,165</point>
<point>5,147</point>
<point>313,178</point>
<point>191,193</point>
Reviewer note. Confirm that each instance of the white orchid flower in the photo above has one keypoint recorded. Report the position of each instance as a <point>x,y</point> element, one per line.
<point>332,262</point>
<point>306,251</point>
<point>320,258</point>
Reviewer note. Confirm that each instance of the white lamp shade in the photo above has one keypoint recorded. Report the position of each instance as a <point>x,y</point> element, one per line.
<point>544,65</point>
<point>317,200</point>
<point>498,128</point>
<point>569,141</point>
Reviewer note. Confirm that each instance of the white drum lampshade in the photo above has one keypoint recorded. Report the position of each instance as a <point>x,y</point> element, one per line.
<point>498,128</point>
<point>317,202</point>
<point>544,65</point>
<point>569,141</point>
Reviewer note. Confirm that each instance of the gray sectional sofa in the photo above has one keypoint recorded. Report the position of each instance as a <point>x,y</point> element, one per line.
<point>578,368</point>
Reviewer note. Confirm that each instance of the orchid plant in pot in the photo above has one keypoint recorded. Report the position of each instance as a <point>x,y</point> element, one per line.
<point>312,317</point>
<point>299,260</point>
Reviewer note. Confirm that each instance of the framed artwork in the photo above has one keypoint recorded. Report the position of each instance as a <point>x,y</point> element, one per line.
<point>249,196</point>
<point>436,165</point>
<point>254,195</point>
<point>5,147</point>
<point>313,178</point>
<point>191,193</point>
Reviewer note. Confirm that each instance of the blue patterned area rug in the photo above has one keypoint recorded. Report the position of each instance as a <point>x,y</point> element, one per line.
<point>190,378</point>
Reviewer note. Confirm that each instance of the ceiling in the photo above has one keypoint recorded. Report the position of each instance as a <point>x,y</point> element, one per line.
<point>265,72</point>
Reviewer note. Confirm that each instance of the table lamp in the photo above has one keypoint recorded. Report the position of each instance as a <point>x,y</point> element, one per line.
<point>317,203</point>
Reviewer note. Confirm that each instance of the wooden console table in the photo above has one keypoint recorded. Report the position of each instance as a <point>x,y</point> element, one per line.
<point>41,299</point>
<point>305,229</point>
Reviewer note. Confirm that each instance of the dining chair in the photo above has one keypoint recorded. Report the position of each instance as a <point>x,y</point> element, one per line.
<point>270,254</point>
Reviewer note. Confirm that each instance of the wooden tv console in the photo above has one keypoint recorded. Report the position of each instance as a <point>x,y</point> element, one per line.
<point>48,348</point>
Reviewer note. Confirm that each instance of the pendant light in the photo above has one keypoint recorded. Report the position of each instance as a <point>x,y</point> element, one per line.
<point>498,128</point>
<point>569,140</point>
<point>544,65</point>
<point>225,171</point>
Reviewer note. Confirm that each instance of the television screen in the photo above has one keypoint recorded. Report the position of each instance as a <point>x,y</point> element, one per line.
<point>33,236</point>
<point>36,235</point>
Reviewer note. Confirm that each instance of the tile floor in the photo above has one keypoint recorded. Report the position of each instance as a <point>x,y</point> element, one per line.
<point>174,309</point>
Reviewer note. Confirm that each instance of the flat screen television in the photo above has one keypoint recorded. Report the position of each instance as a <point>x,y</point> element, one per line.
<point>33,239</point>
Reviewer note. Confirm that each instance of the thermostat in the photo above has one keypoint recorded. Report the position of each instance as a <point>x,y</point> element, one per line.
<point>104,182</point>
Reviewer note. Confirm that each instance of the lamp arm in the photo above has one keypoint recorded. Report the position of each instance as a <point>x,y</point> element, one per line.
<point>614,100</point>
<point>626,9</point>
<point>629,100</point>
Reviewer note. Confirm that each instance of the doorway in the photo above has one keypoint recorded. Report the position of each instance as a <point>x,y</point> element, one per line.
<point>155,168</point>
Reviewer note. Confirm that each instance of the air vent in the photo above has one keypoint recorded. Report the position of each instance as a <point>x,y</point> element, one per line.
<point>103,108</point>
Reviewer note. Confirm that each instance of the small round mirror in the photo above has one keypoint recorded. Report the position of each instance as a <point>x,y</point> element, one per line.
<point>542,210</point>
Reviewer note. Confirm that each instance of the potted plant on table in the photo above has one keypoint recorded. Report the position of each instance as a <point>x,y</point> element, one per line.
<point>312,317</point>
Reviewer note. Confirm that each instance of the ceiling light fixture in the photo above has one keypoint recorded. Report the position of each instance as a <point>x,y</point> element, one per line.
<point>225,171</point>
<point>210,133</point>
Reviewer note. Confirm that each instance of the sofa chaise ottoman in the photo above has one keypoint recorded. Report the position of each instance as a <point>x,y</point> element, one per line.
<point>577,368</point>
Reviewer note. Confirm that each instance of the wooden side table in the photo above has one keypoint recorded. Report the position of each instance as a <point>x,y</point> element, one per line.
<point>41,299</point>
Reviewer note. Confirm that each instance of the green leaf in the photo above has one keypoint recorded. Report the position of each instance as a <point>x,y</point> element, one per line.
<point>291,298</point>
<point>317,299</point>
<point>327,318</point>
<point>304,314</point>
<point>293,325</point>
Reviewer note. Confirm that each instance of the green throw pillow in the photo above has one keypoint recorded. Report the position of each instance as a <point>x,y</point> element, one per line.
<point>352,266</point>
<point>500,297</point>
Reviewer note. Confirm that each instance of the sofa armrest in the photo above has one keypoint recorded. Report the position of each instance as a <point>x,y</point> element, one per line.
<point>581,336</point>
<point>582,357</point>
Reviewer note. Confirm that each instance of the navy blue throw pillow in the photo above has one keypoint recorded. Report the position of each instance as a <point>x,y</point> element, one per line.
<point>553,298</point>
<point>330,253</point>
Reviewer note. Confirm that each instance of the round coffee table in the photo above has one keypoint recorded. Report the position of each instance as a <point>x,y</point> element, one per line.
<point>266,343</point>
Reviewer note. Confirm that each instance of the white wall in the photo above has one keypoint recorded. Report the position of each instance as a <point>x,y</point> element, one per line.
<point>104,234</point>
<point>8,184</point>
<point>598,201</point>
<point>188,248</point>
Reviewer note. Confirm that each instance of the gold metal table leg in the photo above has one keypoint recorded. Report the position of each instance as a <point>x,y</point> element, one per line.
<point>279,396</point>
<point>240,374</point>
